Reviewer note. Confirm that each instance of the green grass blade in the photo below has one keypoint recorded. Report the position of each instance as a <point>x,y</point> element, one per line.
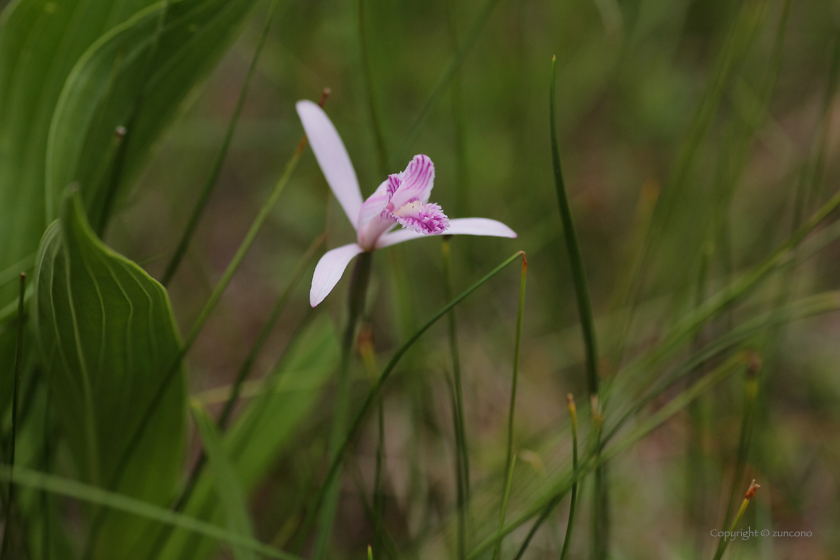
<point>510,457</point>
<point>374,392</point>
<point>600,514</point>
<point>228,486</point>
<point>443,81</point>
<point>204,197</point>
<point>373,107</point>
<point>95,495</point>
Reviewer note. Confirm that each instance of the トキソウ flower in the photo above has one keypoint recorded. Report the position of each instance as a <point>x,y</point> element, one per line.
<point>402,199</point>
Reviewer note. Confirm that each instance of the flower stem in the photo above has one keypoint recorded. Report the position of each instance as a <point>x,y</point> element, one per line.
<point>356,304</point>
<point>375,391</point>
<point>600,513</point>
<point>747,497</point>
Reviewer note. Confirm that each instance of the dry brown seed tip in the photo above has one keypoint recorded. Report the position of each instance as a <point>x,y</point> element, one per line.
<point>751,491</point>
<point>754,363</point>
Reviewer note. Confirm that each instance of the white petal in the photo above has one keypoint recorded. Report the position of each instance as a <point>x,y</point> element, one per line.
<point>332,157</point>
<point>461,226</point>
<point>329,270</point>
<point>479,226</point>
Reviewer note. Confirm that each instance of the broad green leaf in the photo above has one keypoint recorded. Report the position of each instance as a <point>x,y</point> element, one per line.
<point>40,41</point>
<point>226,479</point>
<point>264,430</point>
<point>107,339</point>
<point>137,76</point>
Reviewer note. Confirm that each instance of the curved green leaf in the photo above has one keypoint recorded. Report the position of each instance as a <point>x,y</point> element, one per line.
<point>227,482</point>
<point>137,76</point>
<point>107,336</point>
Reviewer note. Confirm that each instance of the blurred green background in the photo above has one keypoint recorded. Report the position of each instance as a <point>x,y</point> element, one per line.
<point>718,113</point>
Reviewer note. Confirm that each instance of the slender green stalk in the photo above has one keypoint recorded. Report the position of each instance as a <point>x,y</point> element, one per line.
<point>198,325</point>
<point>210,185</point>
<point>356,305</point>
<point>509,457</point>
<point>600,514</point>
<point>553,503</point>
<point>505,495</point>
<point>248,364</point>
<point>724,541</point>
<point>378,492</point>
<point>376,123</point>
<point>123,134</point>
<point>462,447</point>
<point>445,78</point>
<point>589,461</point>
<point>10,496</point>
<point>462,195</point>
<point>573,505</point>
<point>374,392</point>
<point>460,503</point>
<point>747,421</point>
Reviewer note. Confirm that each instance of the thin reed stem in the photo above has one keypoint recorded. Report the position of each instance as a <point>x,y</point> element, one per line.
<point>724,541</point>
<point>573,505</point>
<point>509,456</point>
<point>375,391</point>
<point>600,514</point>
<point>210,185</point>
<point>367,72</point>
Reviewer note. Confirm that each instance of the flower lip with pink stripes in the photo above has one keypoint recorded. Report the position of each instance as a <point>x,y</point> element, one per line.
<point>402,199</point>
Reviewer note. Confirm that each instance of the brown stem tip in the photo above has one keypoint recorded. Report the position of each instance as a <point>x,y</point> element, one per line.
<point>751,491</point>
<point>326,93</point>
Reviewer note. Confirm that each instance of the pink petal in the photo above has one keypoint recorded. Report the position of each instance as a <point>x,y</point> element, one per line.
<point>423,217</point>
<point>374,205</point>
<point>332,157</point>
<point>416,181</point>
<point>461,226</point>
<point>329,270</point>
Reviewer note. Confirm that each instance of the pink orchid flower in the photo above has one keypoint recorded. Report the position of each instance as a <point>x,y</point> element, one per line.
<point>402,199</point>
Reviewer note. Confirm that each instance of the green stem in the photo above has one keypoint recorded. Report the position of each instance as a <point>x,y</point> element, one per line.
<point>600,514</point>
<point>381,151</point>
<point>509,457</point>
<point>462,195</point>
<point>356,304</point>
<point>590,461</point>
<point>724,541</point>
<point>374,392</point>
<point>204,197</point>
<point>10,496</point>
<point>747,420</point>
<point>573,505</point>
<point>446,77</point>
